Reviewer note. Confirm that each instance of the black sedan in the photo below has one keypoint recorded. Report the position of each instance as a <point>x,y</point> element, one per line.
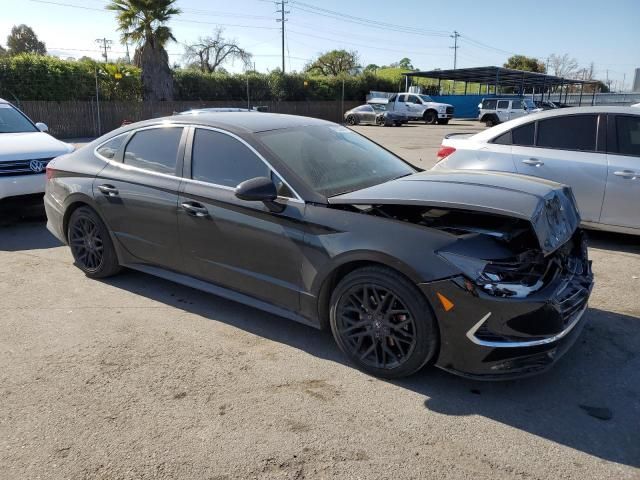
<point>483,274</point>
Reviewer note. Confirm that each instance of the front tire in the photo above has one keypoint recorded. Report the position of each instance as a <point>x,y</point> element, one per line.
<point>430,117</point>
<point>444,121</point>
<point>383,323</point>
<point>91,244</point>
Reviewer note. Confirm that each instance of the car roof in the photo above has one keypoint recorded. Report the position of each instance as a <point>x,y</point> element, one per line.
<point>2,100</point>
<point>559,112</point>
<point>248,122</point>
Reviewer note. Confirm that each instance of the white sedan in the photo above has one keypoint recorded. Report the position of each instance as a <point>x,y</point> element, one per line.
<point>25,151</point>
<point>595,150</point>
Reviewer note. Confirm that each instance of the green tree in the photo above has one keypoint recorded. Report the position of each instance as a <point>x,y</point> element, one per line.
<point>3,52</point>
<point>405,64</point>
<point>144,23</point>
<point>23,39</point>
<point>372,67</point>
<point>528,64</point>
<point>334,62</point>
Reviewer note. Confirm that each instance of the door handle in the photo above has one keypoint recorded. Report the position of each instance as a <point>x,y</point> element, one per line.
<point>534,162</point>
<point>195,209</point>
<point>108,190</point>
<point>628,174</point>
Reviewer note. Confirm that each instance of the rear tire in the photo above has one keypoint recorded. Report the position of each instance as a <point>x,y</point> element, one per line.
<point>430,117</point>
<point>351,120</point>
<point>383,323</point>
<point>491,121</point>
<point>91,244</point>
<point>443,121</point>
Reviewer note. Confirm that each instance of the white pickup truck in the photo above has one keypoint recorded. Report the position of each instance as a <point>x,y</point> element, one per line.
<point>418,107</point>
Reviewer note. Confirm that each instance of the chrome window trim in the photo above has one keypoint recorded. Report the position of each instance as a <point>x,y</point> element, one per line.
<point>471,334</point>
<point>297,198</point>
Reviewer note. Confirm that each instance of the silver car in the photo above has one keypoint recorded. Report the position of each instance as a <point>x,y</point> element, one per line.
<point>374,114</point>
<point>595,150</point>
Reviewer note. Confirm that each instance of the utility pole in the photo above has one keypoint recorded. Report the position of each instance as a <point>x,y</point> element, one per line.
<point>282,20</point>
<point>106,45</point>
<point>455,48</point>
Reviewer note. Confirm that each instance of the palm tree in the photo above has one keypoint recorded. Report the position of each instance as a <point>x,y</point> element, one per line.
<point>144,23</point>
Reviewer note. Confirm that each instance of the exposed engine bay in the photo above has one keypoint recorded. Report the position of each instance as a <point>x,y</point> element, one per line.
<point>499,254</point>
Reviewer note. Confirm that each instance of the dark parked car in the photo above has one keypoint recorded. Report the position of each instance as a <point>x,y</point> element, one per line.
<point>483,274</point>
<point>375,114</point>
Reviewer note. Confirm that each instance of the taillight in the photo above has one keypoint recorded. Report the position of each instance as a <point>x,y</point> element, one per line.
<point>50,172</point>
<point>444,152</point>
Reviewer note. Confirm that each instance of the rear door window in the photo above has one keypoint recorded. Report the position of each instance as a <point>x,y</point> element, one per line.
<point>489,104</point>
<point>573,132</point>
<point>154,149</point>
<point>503,104</point>
<point>628,135</point>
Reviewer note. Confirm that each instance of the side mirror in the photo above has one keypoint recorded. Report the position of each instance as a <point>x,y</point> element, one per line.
<point>259,189</point>
<point>42,127</point>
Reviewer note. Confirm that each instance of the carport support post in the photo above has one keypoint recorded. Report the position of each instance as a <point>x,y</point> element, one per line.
<point>465,87</point>
<point>439,80</point>
<point>581,89</point>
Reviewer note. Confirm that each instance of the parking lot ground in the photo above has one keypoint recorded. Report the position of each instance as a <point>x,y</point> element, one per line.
<point>416,142</point>
<point>135,377</point>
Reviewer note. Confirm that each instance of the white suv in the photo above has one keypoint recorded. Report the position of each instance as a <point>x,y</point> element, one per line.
<point>25,151</point>
<point>497,110</point>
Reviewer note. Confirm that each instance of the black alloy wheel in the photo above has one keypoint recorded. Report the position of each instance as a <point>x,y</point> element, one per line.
<point>351,120</point>
<point>383,323</point>
<point>380,121</point>
<point>430,117</point>
<point>91,245</point>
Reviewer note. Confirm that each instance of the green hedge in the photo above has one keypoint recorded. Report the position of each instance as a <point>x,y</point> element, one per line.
<point>33,77</point>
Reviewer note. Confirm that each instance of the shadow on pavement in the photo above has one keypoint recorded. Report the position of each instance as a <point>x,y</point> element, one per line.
<point>600,375</point>
<point>616,242</point>
<point>589,401</point>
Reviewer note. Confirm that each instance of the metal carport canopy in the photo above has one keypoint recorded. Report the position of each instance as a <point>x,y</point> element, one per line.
<point>499,76</point>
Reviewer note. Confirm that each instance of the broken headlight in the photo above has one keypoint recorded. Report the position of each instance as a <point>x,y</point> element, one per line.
<point>517,278</point>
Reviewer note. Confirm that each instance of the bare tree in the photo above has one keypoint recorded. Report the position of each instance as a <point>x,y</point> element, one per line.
<point>210,53</point>
<point>563,65</point>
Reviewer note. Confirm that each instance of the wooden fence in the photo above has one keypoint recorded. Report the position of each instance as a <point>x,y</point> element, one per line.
<point>80,119</point>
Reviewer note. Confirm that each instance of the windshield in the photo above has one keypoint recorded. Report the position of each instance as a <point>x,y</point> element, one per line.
<point>529,104</point>
<point>379,107</point>
<point>426,98</point>
<point>333,159</point>
<point>12,121</point>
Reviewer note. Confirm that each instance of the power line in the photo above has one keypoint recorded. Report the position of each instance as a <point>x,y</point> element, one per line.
<point>365,21</point>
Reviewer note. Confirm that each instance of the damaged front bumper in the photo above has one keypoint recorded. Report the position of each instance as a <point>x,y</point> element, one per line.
<point>487,337</point>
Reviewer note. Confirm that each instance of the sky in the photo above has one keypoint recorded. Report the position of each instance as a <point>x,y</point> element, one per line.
<point>382,32</point>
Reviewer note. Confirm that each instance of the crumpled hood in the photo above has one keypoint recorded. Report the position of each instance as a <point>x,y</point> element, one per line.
<point>549,206</point>
<point>31,145</point>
